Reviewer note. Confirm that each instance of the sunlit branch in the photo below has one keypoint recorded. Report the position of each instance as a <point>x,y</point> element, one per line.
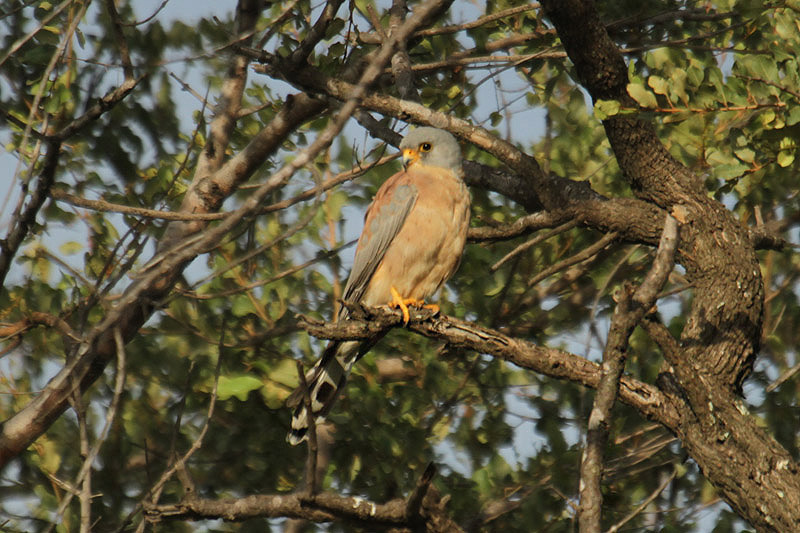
<point>368,322</point>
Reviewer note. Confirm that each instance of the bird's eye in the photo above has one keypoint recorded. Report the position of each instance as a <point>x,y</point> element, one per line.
<point>425,147</point>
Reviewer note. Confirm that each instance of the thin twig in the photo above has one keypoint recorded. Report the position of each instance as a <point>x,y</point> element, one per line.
<point>521,226</point>
<point>85,490</point>
<point>601,290</point>
<point>300,224</point>
<point>119,387</point>
<point>280,275</point>
<point>119,37</point>
<point>788,374</point>
<point>631,307</point>
<point>188,88</point>
<point>276,23</point>
<point>103,205</point>
<point>455,28</point>
<point>533,242</point>
<point>198,443</point>
<point>583,255</point>
<point>414,501</point>
<point>642,506</point>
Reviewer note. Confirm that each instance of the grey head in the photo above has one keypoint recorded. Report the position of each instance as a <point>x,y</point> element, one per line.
<point>432,147</point>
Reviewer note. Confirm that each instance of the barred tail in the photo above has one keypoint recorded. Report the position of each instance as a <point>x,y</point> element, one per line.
<point>325,381</point>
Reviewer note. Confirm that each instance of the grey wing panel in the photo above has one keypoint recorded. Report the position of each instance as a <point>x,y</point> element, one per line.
<point>382,228</point>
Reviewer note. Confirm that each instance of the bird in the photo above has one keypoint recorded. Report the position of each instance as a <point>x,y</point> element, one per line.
<point>412,242</point>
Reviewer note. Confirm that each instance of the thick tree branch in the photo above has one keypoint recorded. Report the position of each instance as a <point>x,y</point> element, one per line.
<point>198,198</point>
<point>716,248</point>
<point>723,329</point>
<point>423,510</point>
<point>654,174</point>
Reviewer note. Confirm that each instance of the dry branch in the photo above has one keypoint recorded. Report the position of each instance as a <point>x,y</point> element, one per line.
<point>183,241</point>
<point>631,308</point>
<point>367,322</point>
<point>424,510</point>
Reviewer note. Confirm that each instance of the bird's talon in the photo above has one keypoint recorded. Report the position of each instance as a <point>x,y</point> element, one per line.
<point>399,301</point>
<point>404,303</point>
<point>433,308</point>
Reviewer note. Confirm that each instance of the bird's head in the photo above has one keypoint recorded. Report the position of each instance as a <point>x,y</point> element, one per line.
<point>432,147</point>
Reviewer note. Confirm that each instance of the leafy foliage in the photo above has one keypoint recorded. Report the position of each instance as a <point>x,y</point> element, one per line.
<point>720,82</point>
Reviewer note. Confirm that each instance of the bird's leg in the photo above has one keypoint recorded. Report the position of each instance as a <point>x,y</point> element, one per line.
<point>403,303</point>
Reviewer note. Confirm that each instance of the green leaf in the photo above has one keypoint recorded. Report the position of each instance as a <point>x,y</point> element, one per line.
<point>285,373</point>
<point>715,78</point>
<point>242,305</point>
<point>240,386</point>
<point>747,154</point>
<point>658,84</point>
<point>677,86</point>
<point>606,108</point>
<point>794,116</point>
<point>785,158</point>
<point>70,248</point>
<point>642,96</point>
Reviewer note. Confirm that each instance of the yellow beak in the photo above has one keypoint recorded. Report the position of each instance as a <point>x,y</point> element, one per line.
<point>410,156</point>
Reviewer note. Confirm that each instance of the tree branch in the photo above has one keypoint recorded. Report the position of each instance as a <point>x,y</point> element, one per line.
<point>630,309</point>
<point>365,323</point>
<point>324,507</point>
<point>634,220</point>
<point>423,508</point>
<point>157,277</point>
<point>197,198</point>
<point>22,223</point>
<point>521,226</point>
<point>654,174</point>
<point>102,205</point>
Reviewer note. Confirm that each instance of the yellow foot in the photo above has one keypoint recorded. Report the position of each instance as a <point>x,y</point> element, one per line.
<point>432,307</point>
<point>403,303</point>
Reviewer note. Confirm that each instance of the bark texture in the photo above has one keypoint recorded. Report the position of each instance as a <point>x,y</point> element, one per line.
<point>718,345</point>
<point>697,397</point>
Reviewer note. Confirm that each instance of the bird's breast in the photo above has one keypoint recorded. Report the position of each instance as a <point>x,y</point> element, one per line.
<point>428,247</point>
